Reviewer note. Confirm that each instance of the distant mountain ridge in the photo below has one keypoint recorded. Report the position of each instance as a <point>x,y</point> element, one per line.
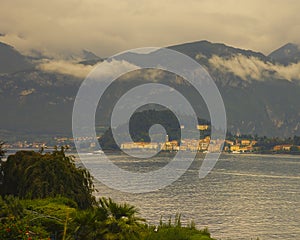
<point>287,54</point>
<point>11,60</point>
<point>258,100</point>
<point>209,49</point>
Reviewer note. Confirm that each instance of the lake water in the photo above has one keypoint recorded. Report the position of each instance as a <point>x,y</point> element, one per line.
<point>244,197</point>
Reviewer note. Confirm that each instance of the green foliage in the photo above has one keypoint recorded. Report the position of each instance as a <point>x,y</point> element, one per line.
<point>50,213</point>
<point>13,229</point>
<point>121,221</point>
<point>106,220</point>
<point>141,122</point>
<point>112,221</point>
<point>296,140</point>
<point>15,221</point>
<point>2,151</point>
<point>35,219</point>
<point>87,223</point>
<point>109,221</point>
<point>175,231</point>
<point>31,175</point>
<point>266,144</point>
<point>10,207</point>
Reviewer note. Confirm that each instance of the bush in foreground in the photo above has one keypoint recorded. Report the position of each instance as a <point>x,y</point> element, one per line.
<point>34,175</point>
<point>59,218</point>
<point>169,231</point>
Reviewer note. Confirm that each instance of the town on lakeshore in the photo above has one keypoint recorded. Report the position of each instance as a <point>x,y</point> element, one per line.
<point>233,144</point>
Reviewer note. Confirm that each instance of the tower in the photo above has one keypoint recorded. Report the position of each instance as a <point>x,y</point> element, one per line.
<point>167,138</point>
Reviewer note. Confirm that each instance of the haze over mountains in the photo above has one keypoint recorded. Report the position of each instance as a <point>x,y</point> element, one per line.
<point>261,93</point>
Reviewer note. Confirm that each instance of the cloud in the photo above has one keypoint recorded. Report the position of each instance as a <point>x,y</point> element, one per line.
<point>102,71</point>
<point>154,75</point>
<point>65,67</point>
<point>108,27</point>
<point>113,68</point>
<point>242,66</point>
<point>289,72</point>
<point>254,68</point>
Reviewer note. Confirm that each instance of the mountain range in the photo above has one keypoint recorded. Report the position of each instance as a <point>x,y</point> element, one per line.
<point>261,92</point>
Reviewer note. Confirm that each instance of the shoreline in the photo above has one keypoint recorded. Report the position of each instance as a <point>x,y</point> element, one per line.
<point>159,154</point>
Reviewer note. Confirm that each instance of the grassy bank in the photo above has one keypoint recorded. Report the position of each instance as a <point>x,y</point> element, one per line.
<point>60,218</point>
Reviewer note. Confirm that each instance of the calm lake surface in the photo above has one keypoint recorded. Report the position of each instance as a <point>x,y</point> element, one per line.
<point>244,197</point>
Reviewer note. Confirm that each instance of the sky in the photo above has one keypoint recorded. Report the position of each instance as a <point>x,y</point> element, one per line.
<point>57,28</point>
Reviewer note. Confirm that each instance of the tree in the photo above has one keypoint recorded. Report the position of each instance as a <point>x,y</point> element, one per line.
<point>31,175</point>
<point>2,151</point>
<point>87,224</point>
<point>109,220</point>
<point>294,149</point>
<point>120,221</point>
<point>14,221</point>
<point>2,154</point>
<point>34,219</point>
<point>296,140</point>
<point>107,141</point>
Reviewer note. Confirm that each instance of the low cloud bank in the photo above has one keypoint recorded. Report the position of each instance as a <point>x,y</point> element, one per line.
<point>104,71</point>
<point>254,68</point>
<point>65,67</point>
